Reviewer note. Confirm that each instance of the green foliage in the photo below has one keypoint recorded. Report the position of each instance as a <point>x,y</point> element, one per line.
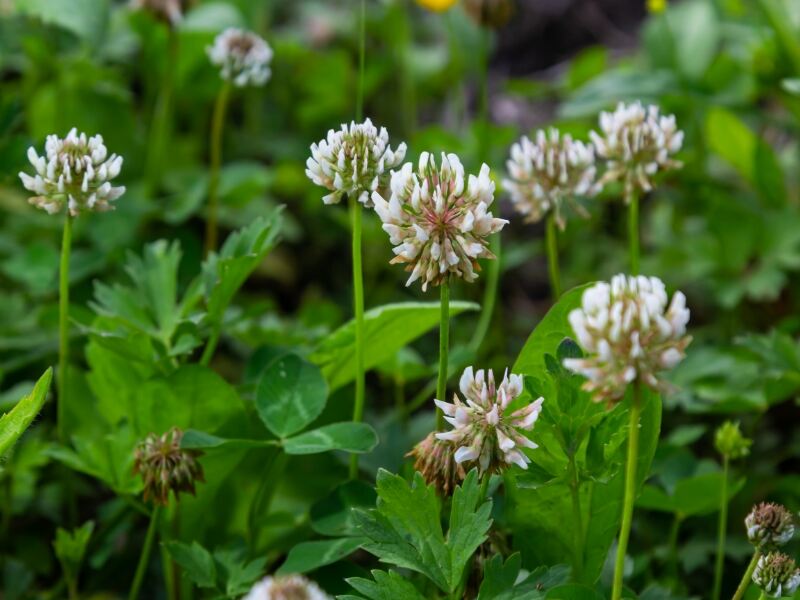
<point>385,586</point>
<point>70,549</point>
<point>14,423</point>
<point>225,571</point>
<point>698,495</point>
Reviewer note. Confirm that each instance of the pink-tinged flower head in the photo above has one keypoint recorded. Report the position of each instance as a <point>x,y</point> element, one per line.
<point>438,220</point>
<point>286,587</point>
<point>628,331</point>
<point>486,430</point>
<point>242,56</point>
<point>777,575</point>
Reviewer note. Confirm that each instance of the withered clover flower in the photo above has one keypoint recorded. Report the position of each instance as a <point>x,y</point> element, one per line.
<point>769,525</point>
<point>438,220</point>
<point>729,441</point>
<point>242,57</point>
<point>777,575</point>
<point>486,428</point>
<point>629,330</point>
<point>165,466</point>
<point>170,11</point>
<point>435,460</point>
<point>548,173</point>
<point>76,172</point>
<point>286,587</point>
<point>354,160</point>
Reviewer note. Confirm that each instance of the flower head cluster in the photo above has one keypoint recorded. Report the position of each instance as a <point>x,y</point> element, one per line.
<point>165,466</point>
<point>637,142</point>
<point>242,56</point>
<point>353,160</point>
<point>434,459</point>
<point>75,172</point>
<point>169,11</point>
<point>288,587</point>
<point>769,525</point>
<point>730,442</point>
<point>629,331</point>
<point>549,172</point>
<point>438,220</point>
<point>485,429</point>
<point>777,575</point>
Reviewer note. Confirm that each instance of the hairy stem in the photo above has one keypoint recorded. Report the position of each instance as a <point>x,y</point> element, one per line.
<point>444,346</point>
<point>630,490</point>
<point>552,258</point>
<point>721,530</point>
<point>745,582</point>
<point>358,306</point>
<point>215,144</point>
<point>144,557</point>
<point>63,326</point>
<point>633,232</point>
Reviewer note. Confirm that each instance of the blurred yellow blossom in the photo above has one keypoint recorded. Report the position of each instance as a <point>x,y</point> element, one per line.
<point>437,5</point>
<point>657,6</point>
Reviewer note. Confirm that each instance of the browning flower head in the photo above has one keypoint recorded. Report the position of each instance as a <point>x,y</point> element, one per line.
<point>242,57</point>
<point>438,221</point>
<point>729,441</point>
<point>628,332</point>
<point>769,525</point>
<point>486,429</point>
<point>75,172</point>
<point>165,466</point>
<point>637,142</point>
<point>777,575</point>
<point>169,11</point>
<point>434,459</point>
<point>548,173</point>
<point>287,587</point>
<point>489,13</point>
<point>355,160</point>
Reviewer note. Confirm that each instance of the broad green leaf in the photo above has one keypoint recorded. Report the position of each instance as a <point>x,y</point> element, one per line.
<point>333,515</point>
<point>499,577</point>
<point>696,28</point>
<point>237,573</point>
<point>200,440</point>
<point>387,329</point>
<point>698,495</point>
<point>195,561</point>
<point>347,436</point>
<point>573,591</point>
<point>470,518</point>
<point>290,395</point>
<point>70,548</point>
<point>88,19</point>
<point>14,423</point>
<point>307,556</point>
<point>386,586</point>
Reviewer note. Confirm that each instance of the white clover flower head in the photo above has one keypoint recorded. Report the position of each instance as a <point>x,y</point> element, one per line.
<point>637,142</point>
<point>438,220</point>
<point>769,525</point>
<point>777,575</point>
<point>548,173</point>
<point>628,331</point>
<point>485,429</point>
<point>75,172</point>
<point>354,160</point>
<point>170,11</point>
<point>242,57</point>
<point>288,587</point>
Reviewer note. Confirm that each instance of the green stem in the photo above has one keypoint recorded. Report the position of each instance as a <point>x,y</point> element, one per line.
<point>63,326</point>
<point>362,52</point>
<point>577,517</point>
<point>161,116</point>
<point>633,232</point>
<point>489,296</point>
<point>144,557</point>
<point>630,490</point>
<point>745,582</point>
<point>763,595</point>
<point>552,257</point>
<point>444,346</point>
<point>215,142</point>
<point>358,306</point>
<point>211,345</point>
<point>672,556</point>
<point>721,529</point>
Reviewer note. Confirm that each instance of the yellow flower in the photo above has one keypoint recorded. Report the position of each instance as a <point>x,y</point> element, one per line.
<point>657,6</point>
<point>437,5</point>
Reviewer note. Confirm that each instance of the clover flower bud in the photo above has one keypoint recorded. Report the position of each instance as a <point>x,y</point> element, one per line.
<point>438,220</point>
<point>637,142</point>
<point>548,173</point>
<point>75,172</point>
<point>287,587</point>
<point>629,332</point>
<point>165,466</point>
<point>169,11</point>
<point>242,57</point>
<point>434,459</point>
<point>355,160</point>
<point>777,575</point>
<point>729,441</point>
<point>487,430</point>
<point>769,525</point>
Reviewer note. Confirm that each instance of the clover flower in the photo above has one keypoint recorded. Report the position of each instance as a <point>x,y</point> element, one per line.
<point>769,525</point>
<point>288,587</point>
<point>242,56</point>
<point>169,11</point>
<point>777,575</point>
<point>637,142</point>
<point>165,466</point>
<point>547,174</point>
<point>437,220</point>
<point>434,459</point>
<point>354,160</point>
<point>75,171</point>
<point>730,442</point>
<point>629,332</point>
<point>485,430</point>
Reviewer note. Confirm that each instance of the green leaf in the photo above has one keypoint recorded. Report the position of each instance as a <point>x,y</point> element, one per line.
<point>387,329</point>
<point>307,556</point>
<point>290,395</point>
<point>88,19</point>
<point>70,548</point>
<point>347,436</point>
<point>693,496</point>
<point>237,573</point>
<point>333,515</point>
<point>200,440</point>
<point>14,423</point>
<point>697,32</point>
<point>196,562</point>
<point>573,591</point>
<point>499,577</point>
<point>386,586</point>
<point>470,518</point>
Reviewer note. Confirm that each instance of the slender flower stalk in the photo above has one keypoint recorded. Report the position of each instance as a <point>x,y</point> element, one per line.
<point>217,126</point>
<point>747,577</point>
<point>444,346</point>
<point>633,233</point>
<point>63,326</point>
<point>358,308</point>
<point>144,557</point>
<point>552,258</point>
